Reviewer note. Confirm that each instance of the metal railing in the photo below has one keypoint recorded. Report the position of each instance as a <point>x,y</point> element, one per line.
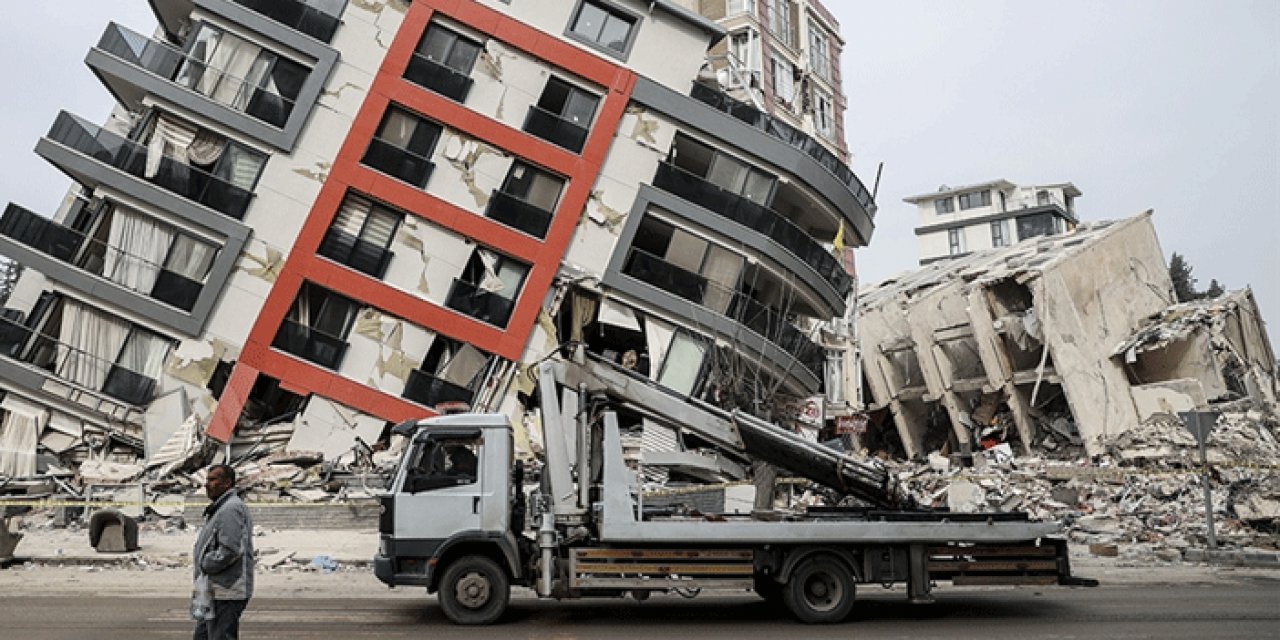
<point>196,75</point>
<point>310,344</point>
<point>757,217</point>
<point>69,364</point>
<point>429,391</point>
<point>130,157</point>
<point>298,16</point>
<point>486,306</point>
<point>764,321</point>
<point>518,214</point>
<point>361,255</point>
<point>554,129</point>
<point>788,134</point>
<point>90,254</point>
<point>443,80</point>
<point>398,163</point>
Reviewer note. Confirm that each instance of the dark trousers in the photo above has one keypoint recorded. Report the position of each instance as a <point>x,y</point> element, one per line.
<point>225,624</point>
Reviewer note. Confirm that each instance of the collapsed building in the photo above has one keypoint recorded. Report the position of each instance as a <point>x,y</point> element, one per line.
<point>303,225</point>
<point>1056,341</point>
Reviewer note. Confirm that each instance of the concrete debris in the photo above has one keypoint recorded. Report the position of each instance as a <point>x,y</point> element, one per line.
<point>113,532</point>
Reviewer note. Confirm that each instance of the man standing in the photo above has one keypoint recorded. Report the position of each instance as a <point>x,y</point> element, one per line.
<point>224,553</point>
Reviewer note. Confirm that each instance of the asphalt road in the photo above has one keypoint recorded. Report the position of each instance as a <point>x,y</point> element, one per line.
<point>1249,609</point>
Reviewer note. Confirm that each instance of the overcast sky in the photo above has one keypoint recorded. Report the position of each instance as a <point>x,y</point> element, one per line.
<point>1171,105</point>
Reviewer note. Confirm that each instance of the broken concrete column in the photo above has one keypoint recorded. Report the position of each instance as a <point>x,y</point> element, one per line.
<point>113,532</point>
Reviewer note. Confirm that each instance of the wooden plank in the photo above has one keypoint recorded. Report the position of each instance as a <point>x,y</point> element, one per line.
<point>644,568</point>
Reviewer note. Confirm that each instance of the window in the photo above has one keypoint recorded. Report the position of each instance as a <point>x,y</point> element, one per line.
<point>403,147</point>
<point>682,368</point>
<point>819,52</point>
<point>784,82</point>
<point>823,115</point>
<point>722,170</point>
<point>974,200</point>
<point>686,265</point>
<point>527,199</point>
<point>198,163</point>
<point>734,7</point>
<point>601,25</point>
<point>562,115</point>
<point>1042,197</point>
<point>955,241</point>
<point>1000,233</point>
<point>944,205</point>
<point>317,325</point>
<point>241,75</point>
<point>360,235</point>
<point>443,62</point>
<point>444,462</point>
<point>451,372</point>
<point>744,46</point>
<point>780,21</point>
<point>488,287</point>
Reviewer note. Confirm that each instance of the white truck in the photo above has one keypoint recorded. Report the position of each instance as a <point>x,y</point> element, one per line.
<point>454,517</point>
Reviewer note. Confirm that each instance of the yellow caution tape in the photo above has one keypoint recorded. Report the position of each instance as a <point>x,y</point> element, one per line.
<point>199,505</point>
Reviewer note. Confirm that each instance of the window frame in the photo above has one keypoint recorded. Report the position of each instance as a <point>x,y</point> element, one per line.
<point>534,173</point>
<point>1000,233</point>
<point>819,64</point>
<point>943,206</point>
<point>456,37</point>
<point>965,200</point>
<point>612,12</point>
<point>955,242</point>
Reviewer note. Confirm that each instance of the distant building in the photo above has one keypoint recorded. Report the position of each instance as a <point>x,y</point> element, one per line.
<point>959,221</point>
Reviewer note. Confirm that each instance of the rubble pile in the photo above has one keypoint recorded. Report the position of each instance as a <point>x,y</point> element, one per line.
<point>1144,493</point>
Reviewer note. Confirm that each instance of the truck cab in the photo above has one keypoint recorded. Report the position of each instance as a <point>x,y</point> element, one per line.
<point>451,499</point>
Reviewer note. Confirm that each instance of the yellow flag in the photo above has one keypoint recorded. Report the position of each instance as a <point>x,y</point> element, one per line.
<point>837,244</point>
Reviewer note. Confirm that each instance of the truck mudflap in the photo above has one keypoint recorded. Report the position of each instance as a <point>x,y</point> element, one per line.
<point>1042,562</point>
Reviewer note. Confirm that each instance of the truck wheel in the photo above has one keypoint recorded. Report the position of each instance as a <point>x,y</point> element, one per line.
<point>474,590</point>
<point>820,591</point>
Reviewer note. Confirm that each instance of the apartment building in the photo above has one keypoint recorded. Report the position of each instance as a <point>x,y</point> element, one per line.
<point>324,217</point>
<point>958,221</point>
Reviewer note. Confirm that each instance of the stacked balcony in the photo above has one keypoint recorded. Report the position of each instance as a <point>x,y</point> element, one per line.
<point>22,343</point>
<point>555,129</point>
<point>518,214</point>
<point>310,344</point>
<point>429,391</point>
<point>298,16</point>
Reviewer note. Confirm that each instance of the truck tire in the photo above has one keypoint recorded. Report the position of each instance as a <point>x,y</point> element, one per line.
<point>820,591</point>
<point>474,590</point>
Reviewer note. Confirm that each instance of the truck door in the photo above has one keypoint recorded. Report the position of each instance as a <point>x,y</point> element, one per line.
<point>442,492</point>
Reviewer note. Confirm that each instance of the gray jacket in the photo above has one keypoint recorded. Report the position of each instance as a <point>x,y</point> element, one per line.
<point>224,548</point>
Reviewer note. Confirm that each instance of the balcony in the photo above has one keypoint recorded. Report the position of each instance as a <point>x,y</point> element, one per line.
<point>485,306</point>
<point>554,129</point>
<point>787,134</point>
<point>766,322</point>
<point>518,214</point>
<point>398,163</point>
<point>297,16</point>
<point>170,64</point>
<point>429,391</point>
<point>180,178</point>
<point>756,217</point>
<point>363,256</point>
<point>74,365</point>
<point>310,344</point>
<point>74,248</point>
<point>432,75</point>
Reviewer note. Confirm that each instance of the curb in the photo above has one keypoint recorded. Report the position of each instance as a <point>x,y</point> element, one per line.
<point>135,559</point>
<point>1259,559</point>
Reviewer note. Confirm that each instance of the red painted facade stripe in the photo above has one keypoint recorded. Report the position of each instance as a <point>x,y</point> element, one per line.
<point>347,173</point>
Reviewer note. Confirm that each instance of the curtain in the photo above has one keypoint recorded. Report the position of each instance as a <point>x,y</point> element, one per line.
<point>169,137</point>
<point>352,214</point>
<point>190,258</point>
<point>206,148</point>
<point>584,312</point>
<point>464,365</point>
<point>90,343</point>
<point>490,281</point>
<point>240,167</point>
<point>721,269</point>
<point>144,353</point>
<point>229,63</point>
<point>19,434</point>
<point>137,245</point>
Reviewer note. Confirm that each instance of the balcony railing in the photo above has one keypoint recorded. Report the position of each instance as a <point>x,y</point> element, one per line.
<point>70,364</point>
<point>788,134</point>
<point>429,391</point>
<point>554,129</point>
<point>297,15</point>
<point>438,78</point>
<point>191,73</point>
<point>399,163</point>
<point>768,323</point>
<point>361,255</point>
<point>518,214</point>
<point>310,344</point>
<point>482,305</point>
<point>756,217</point>
<point>130,157</point>
<point>92,255</point>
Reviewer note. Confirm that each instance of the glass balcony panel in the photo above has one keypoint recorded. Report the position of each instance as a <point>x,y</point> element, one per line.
<point>39,233</point>
<point>130,157</point>
<point>756,217</point>
<point>74,365</point>
<point>179,291</point>
<point>398,163</point>
<point>361,255</point>
<point>129,386</point>
<point>438,78</point>
<point>485,306</point>
<point>428,390</point>
<point>518,214</point>
<point>554,129</point>
<point>297,15</point>
<point>310,344</point>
